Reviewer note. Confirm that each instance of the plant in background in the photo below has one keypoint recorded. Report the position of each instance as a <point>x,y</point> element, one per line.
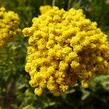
<point>9,53</point>
<point>64,47</point>
<point>9,22</point>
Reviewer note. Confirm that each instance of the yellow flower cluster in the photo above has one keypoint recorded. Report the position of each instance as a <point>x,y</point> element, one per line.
<point>64,47</point>
<point>9,22</point>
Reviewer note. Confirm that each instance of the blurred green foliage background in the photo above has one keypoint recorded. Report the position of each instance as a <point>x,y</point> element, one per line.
<point>15,92</point>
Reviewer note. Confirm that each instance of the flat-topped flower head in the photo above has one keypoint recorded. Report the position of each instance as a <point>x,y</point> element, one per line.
<point>64,46</point>
<point>9,22</point>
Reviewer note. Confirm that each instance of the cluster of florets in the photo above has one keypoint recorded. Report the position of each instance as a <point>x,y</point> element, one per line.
<point>9,22</point>
<point>64,47</point>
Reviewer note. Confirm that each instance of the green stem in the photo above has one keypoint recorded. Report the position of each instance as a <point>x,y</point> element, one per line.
<point>69,4</point>
<point>53,2</point>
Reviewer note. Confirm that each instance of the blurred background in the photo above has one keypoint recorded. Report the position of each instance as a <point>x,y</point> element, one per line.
<point>15,92</point>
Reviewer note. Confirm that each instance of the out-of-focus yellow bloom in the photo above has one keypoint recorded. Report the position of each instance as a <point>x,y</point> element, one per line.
<point>64,46</point>
<point>9,22</point>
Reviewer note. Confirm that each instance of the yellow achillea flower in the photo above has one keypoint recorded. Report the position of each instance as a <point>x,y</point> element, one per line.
<point>9,22</point>
<point>64,46</point>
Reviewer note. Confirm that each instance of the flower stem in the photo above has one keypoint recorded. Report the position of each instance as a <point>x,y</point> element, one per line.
<point>69,4</point>
<point>53,2</point>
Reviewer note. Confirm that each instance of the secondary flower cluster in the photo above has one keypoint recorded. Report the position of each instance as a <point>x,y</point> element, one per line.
<point>64,47</point>
<point>9,22</point>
